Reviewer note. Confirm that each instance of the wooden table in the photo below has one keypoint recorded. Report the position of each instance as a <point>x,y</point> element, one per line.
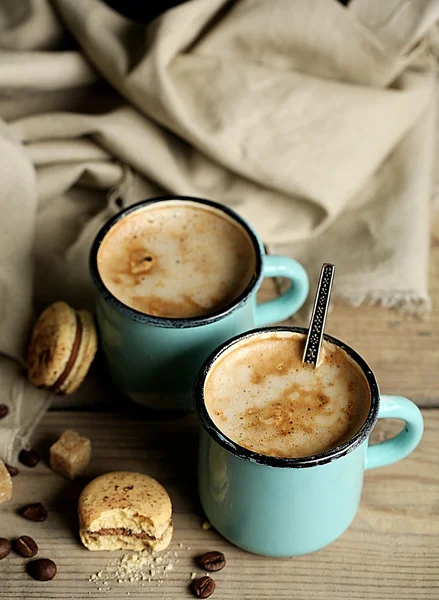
<point>391,551</point>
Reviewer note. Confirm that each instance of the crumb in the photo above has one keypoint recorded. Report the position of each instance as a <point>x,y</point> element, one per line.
<point>193,575</point>
<point>206,525</point>
<point>134,567</point>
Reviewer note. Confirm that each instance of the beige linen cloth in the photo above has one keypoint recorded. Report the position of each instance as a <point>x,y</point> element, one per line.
<point>314,121</point>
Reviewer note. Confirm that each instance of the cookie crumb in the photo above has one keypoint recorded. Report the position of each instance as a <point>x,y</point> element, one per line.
<point>206,525</point>
<point>134,567</point>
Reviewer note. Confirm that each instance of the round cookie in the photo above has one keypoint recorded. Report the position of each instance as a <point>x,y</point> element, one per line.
<point>62,347</point>
<point>123,510</point>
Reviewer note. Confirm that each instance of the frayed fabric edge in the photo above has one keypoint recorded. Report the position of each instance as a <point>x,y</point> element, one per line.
<point>407,302</point>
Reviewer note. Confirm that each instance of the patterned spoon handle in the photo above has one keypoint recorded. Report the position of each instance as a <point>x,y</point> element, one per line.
<point>318,317</point>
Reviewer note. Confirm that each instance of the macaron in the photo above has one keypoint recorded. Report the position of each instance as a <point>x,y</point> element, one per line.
<point>123,510</point>
<point>62,347</point>
<point>5,483</point>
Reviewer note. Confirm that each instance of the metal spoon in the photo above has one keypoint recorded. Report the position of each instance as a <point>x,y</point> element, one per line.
<point>318,318</point>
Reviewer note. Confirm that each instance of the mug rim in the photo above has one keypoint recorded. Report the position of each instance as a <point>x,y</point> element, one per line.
<point>274,461</point>
<point>174,322</point>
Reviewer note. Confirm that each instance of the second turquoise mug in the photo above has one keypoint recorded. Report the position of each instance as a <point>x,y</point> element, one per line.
<point>291,506</point>
<point>154,360</point>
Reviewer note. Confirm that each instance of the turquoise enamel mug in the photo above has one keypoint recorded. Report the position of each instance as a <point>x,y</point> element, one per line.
<point>154,360</point>
<point>283,507</point>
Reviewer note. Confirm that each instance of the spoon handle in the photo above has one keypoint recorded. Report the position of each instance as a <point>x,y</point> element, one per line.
<point>318,317</point>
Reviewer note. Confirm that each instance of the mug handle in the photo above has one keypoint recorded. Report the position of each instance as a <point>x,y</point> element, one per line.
<point>286,305</point>
<point>400,446</point>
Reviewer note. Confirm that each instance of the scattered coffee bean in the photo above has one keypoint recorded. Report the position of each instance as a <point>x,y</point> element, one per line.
<point>213,561</point>
<point>30,458</point>
<point>25,546</point>
<point>5,547</point>
<point>203,587</point>
<point>34,512</point>
<point>13,471</point>
<point>42,569</point>
<point>4,411</point>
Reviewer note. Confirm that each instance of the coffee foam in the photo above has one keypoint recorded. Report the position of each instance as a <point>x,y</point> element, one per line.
<point>177,259</point>
<point>260,395</point>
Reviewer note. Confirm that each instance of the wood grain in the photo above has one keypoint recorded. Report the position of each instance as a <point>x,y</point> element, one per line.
<point>389,552</point>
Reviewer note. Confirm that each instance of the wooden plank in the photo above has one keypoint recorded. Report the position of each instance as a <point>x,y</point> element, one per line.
<point>389,552</point>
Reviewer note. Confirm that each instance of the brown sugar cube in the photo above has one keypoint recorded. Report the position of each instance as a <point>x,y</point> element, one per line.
<point>5,483</point>
<point>70,455</point>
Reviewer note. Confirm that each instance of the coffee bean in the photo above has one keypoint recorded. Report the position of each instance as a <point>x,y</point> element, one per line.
<point>42,569</point>
<point>213,561</point>
<point>5,547</point>
<point>4,411</point>
<point>30,458</point>
<point>203,587</point>
<point>25,546</point>
<point>34,512</point>
<point>13,471</point>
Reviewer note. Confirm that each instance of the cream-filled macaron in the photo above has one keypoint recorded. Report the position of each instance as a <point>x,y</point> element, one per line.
<point>125,511</point>
<point>62,347</point>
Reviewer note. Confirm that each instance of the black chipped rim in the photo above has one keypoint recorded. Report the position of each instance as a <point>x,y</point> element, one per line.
<point>274,461</point>
<point>170,322</point>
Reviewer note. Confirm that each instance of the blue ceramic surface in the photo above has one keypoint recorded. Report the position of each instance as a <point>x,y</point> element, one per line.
<point>289,507</point>
<point>154,360</point>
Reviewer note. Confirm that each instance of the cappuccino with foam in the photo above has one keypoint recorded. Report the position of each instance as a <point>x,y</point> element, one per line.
<point>177,259</point>
<point>261,396</point>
